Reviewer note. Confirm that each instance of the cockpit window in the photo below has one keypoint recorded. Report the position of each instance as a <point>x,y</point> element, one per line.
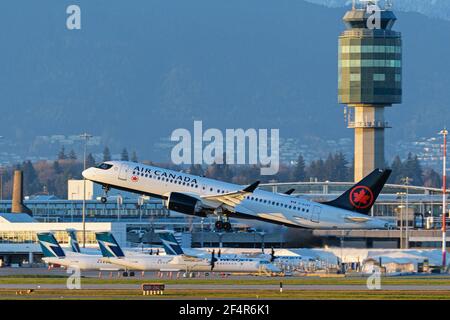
<point>105,166</point>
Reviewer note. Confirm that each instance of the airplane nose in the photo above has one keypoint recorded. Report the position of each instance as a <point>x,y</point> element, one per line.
<point>87,174</point>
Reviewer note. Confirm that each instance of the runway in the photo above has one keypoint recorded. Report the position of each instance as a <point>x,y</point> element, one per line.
<point>45,283</point>
<point>119,286</point>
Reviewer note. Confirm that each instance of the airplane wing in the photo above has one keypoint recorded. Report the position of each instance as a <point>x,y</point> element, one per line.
<point>233,198</point>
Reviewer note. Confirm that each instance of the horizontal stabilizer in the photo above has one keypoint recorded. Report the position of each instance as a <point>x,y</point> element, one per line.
<point>252,187</point>
<point>289,192</point>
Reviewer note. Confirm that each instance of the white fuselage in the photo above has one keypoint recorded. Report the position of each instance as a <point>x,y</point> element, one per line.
<point>261,205</point>
<point>82,262</point>
<point>191,264</point>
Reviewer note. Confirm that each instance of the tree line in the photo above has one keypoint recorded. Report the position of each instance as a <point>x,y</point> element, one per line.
<point>50,177</point>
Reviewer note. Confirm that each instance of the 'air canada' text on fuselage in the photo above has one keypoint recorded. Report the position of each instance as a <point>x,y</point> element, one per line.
<point>160,173</point>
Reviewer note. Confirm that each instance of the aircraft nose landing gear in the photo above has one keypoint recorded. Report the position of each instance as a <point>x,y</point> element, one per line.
<point>104,198</point>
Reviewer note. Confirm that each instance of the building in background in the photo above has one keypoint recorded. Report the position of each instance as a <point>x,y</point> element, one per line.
<point>93,191</point>
<point>370,79</point>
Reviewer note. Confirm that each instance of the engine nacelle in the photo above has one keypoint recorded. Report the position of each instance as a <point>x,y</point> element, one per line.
<point>184,203</point>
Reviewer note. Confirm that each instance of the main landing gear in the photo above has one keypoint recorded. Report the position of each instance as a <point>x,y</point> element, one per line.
<point>128,274</point>
<point>104,198</point>
<point>223,225</point>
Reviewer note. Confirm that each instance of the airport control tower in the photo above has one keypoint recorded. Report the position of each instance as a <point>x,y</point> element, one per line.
<point>370,78</point>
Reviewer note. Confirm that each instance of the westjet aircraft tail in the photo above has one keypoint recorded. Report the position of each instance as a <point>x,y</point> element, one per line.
<point>108,245</point>
<point>50,246</point>
<point>361,197</point>
<point>73,240</point>
<point>170,243</point>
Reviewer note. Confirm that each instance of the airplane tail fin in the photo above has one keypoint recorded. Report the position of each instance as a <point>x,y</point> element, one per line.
<point>361,197</point>
<point>108,245</point>
<point>50,246</point>
<point>73,241</point>
<point>170,243</point>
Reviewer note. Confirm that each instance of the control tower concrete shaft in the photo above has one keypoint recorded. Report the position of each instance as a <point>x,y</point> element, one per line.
<point>370,79</point>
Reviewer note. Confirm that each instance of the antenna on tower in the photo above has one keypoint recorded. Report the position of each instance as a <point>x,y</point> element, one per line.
<point>366,3</point>
<point>354,5</point>
<point>388,4</point>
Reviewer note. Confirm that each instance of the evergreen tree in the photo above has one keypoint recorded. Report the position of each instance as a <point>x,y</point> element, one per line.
<point>90,161</point>
<point>196,169</point>
<point>432,179</point>
<point>56,167</point>
<point>72,155</point>
<point>227,173</point>
<point>134,157</point>
<point>106,154</point>
<point>124,155</point>
<point>415,170</point>
<point>30,179</point>
<point>330,168</point>
<point>341,167</point>
<point>62,154</point>
<point>299,172</point>
<point>316,170</point>
<point>247,174</point>
<point>351,171</point>
<point>397,171</point>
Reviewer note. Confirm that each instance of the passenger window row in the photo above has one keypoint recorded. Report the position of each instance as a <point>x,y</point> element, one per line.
<point>277,204</point>
<point>218,190</point>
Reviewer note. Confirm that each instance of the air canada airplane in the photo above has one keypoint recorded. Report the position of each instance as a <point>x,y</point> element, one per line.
<point>200,196</point>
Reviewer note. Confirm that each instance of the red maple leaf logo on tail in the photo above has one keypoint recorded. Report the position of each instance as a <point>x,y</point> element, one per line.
<point>361,197</point>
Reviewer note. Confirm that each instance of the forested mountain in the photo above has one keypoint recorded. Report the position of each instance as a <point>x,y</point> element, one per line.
<point>138,70</point>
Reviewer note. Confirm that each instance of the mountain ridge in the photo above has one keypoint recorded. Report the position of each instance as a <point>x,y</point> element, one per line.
<point>133,74</point>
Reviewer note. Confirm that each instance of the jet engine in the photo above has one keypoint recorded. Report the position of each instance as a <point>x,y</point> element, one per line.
<point>186,204</point>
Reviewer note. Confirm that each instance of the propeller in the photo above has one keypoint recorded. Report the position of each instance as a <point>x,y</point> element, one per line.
<point>272,255</point>
<point>213,260</point>
<point>219,253</point>
<point>157,252</point>
<point>151,252</point>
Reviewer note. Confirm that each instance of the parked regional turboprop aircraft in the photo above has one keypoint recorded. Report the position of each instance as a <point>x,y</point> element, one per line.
<point>172,247</point>
<point>55,255</point>
<point>199,196</point>
<point>73,241</point>
<point>176,260</point>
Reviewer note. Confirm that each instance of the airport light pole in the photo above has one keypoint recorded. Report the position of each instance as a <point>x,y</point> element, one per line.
<point>86,138</point>
<point>1,178</point>
<point>201,223</point>
<point>262,234</point>
<point>407,181</point>
<point>119,206</point>
<point>444,133</point>
<point>401,195</point>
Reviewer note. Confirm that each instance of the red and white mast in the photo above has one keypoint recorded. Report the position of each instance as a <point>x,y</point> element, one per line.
<point>444,200</point>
